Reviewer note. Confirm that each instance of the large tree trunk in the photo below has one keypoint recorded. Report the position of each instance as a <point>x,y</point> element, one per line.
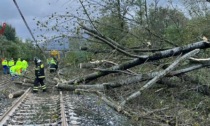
<point>130,80</point>
<point>137,61</point>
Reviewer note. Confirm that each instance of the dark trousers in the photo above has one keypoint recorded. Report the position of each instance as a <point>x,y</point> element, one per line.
<point>5,69</point>
<point>53,68</point>
<point>37,83</point>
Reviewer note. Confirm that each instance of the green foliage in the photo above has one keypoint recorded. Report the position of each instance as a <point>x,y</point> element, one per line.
<point>17,49</point>
<point>75,57</point>
<point>9,32</point>
<point>173,34</point>
<point>113,27</point>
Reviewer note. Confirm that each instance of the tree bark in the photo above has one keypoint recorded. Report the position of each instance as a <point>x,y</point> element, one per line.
<point>137,61</point>
<point>131,80</point>
<point>16,94</point>
<point>23,84</point>
<point>97,63</point>
<point>159,76</point>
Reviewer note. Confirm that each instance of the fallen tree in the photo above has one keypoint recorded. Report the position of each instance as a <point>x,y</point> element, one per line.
<point>158,77</point>
<point>137,61</point>
<point>120,106</point>
<point>132,79</point>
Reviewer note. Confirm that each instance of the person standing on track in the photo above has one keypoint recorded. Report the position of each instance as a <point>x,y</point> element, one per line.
<point>53,65</point>
<point>40,76</point>
<point>24,66</point>
<point>5,66</point>
<point>19,66</point>
<point>11,63</point>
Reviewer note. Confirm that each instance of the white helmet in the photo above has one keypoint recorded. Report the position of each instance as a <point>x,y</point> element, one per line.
<point>39,61</point>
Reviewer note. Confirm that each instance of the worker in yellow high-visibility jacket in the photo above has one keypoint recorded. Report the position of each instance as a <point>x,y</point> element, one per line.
<point>11,63</point>
<point>19,66</point>
<point>5,66</point>
<point>24,66</point>
<point>53,65</point>
<point>14,72</point>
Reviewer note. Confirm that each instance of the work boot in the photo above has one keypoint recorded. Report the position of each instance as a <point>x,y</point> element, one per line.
<point>34,91</point>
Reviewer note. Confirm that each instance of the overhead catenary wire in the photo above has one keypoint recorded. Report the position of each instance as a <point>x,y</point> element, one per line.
<point>27,26</point>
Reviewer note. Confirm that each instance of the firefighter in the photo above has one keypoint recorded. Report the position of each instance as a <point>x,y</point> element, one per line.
<point>53,65</point>
<point>40,76</point>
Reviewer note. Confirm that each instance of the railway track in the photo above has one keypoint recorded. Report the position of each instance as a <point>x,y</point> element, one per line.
<point>33,109</point>
<point>54,108</point>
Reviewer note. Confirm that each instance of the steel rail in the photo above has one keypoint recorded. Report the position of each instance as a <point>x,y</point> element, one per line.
<point>11,110</point>
<point>63,116</point>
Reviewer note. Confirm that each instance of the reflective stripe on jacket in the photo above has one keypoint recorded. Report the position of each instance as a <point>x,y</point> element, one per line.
<point>39,71</point>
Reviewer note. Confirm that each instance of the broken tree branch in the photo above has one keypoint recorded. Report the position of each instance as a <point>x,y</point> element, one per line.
<point>130,80</point>
<point>137,61</point>
<point>159,76</point>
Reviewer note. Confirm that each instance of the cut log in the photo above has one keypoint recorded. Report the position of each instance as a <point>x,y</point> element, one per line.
<point>23,83</point>
<point>137,61</point>
<point>28,81</point>
<point>73,87</point>
<point>16,94</point>
<point>18,82</point>
<point>97,63</point>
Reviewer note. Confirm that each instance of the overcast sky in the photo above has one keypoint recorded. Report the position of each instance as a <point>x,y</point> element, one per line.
<point>30,10</point>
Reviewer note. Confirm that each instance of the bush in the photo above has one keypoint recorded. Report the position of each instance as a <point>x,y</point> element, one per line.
<point>75,57</point>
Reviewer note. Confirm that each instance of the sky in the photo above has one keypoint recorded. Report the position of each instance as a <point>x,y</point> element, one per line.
<point>31,9</point>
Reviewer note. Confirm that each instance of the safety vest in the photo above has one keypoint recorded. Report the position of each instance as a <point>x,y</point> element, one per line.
<point>52,61</point>
<point>11,63</point>
<point>19,63</point>
<point>13,69</point>
<point>18,69</point>
<point>4,63</point>
<point>24,64</point>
